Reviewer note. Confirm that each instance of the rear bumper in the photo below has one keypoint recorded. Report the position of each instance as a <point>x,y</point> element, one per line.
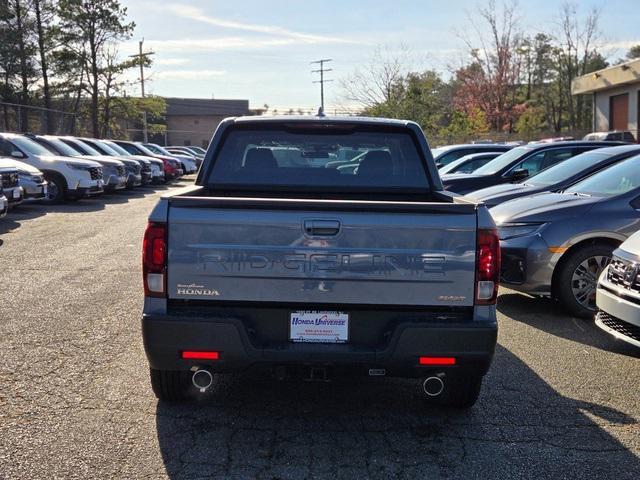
<point>165,337</point>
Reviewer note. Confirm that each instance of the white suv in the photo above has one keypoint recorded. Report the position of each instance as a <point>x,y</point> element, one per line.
<point>618,293</point>
<point>67,178</point>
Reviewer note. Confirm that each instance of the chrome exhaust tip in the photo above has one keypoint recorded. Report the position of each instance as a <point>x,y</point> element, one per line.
<point>202,380</point>
<point>433,386</point>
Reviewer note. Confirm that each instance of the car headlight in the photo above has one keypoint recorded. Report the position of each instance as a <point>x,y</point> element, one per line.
<point>74,166</point>
<point>512,230</point>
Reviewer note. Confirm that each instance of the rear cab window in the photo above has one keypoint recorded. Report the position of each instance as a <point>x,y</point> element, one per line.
<point>347,159</point>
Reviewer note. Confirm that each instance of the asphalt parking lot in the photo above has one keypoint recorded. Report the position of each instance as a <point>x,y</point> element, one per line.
<point>561,400</point>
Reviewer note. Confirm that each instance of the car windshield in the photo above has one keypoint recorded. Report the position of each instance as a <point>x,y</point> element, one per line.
<point>63,148</point>
<point>451,167</point>
<point>102,147</point>
<point>502,161</point>
<point>145,150</point>
<point>568,168</point>
<point>173,151</point>
<point>303,158</point>
<point>31,147</point>
<point>85,147</point>
<point>156,149</point>
<point>438,152</point>
<point>115,147</point>
<point>615,180</point>
<point>199,150</point>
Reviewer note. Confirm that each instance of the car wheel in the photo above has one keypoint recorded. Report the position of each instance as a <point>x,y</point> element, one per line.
<point>170,385</point>
<point>56,189</point>
<point>459,392</point>
<point>578,278</point>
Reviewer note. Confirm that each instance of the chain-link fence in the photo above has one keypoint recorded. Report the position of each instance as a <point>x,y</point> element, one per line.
<point>16,117</point>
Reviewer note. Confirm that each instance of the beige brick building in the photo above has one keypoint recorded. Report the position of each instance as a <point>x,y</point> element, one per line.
<point>192,121</point>
<point>616,96</point>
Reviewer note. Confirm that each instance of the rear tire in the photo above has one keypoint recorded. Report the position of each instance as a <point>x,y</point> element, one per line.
<point>459,392</point>
<point>170,385</point>
<point>578,276</point>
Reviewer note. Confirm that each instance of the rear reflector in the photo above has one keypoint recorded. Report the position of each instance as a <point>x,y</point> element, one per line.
<point>201,355</point>
<point>437,361</point>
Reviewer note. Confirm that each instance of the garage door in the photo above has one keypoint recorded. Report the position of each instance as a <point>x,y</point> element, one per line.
<point>619,112</point>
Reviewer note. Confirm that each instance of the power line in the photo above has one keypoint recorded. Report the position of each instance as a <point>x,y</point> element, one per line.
<point>142,59</point>
<point>322,80</point>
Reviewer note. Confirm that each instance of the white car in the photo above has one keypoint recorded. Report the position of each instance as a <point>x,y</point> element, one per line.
<point>189,164</point>
<point>157,165</point>
<point>197,151</point>
<point>67,178</point>
<point>618,293</point>
<point>31,179</point>
<point>10,185</point>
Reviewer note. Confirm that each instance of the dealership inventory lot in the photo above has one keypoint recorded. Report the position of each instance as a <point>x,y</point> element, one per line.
<point>560,401</point>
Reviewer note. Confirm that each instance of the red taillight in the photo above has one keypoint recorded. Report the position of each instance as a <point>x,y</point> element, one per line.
<point>154,260</point>
<point>437,361</point>
<point>201,355</point>
<point>487,266</point>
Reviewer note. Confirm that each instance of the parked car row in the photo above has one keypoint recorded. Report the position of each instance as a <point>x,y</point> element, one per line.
<point>63,168</point>
<point>562,210</point>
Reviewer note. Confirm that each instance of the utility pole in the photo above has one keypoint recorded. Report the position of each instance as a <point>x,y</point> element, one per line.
<point>322,80</point>
<point>142,58</point>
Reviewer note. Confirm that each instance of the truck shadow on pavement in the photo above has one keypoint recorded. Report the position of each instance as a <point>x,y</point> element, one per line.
<point>546,315</point>
<point>253,427</point>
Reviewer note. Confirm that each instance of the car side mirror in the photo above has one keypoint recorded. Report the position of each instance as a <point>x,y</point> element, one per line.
<point>519,174</point>
<point>17,154</point>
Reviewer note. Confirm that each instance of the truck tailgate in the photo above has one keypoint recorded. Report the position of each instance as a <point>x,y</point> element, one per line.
<point>321,252</point>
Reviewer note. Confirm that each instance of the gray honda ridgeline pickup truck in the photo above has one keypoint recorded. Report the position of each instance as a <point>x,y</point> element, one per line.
<point>320,246</point>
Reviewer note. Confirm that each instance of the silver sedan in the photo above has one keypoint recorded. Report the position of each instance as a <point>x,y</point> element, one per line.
<point>557,244</point>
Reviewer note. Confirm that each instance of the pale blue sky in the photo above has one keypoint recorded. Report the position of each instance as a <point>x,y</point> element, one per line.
<point>260,50</point>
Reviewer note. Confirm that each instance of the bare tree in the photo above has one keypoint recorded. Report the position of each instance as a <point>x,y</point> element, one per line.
<point>577,40</point>
<point>376,82</point>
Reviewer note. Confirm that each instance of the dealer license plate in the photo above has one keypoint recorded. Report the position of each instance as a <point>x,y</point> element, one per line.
<point>17,193</point>
<point>319,327</point>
